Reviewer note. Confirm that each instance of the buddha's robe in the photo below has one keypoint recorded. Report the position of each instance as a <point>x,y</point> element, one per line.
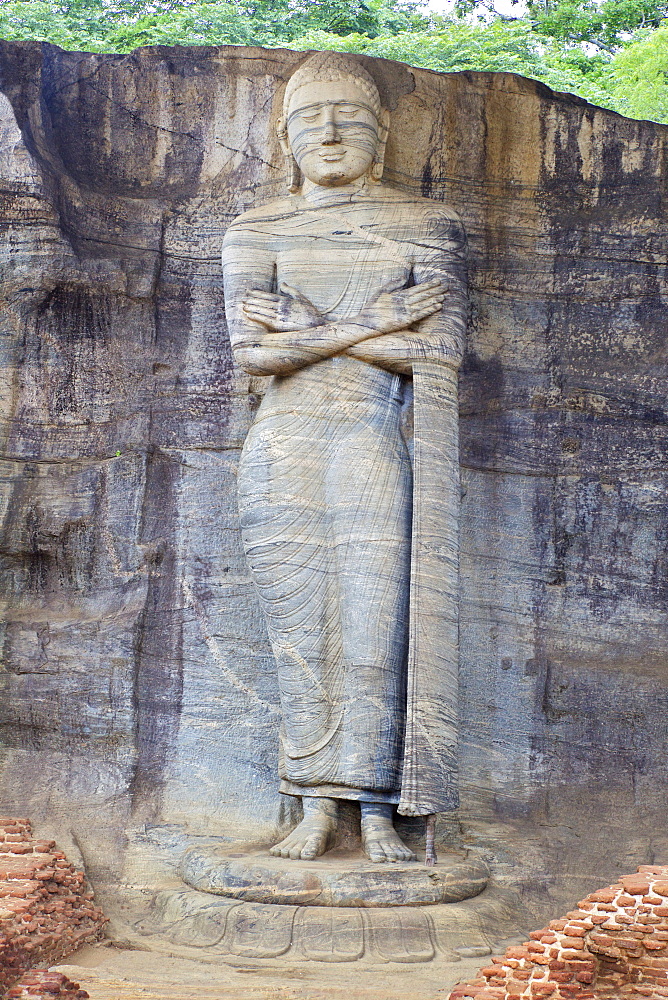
<point>326,483</point>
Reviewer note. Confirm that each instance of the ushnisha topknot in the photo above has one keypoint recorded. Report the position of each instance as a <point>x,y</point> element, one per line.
<point>331,67</point>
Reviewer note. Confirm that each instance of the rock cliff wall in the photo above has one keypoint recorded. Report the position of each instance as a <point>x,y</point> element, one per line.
<point>136,683</point>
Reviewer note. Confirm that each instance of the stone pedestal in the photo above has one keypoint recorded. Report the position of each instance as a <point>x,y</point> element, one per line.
<point>242,905</point>
<point>342,878</point>
<point>187,922</point>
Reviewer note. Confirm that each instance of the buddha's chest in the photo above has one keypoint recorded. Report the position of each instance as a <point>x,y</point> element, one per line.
<point>340,264</point>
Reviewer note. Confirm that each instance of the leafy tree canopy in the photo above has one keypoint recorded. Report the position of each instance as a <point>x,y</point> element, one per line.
<point>612,52</point>
<point>605,25</point>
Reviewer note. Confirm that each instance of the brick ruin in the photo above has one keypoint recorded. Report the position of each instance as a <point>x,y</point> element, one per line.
<point>46,909</point>
<point>613,947</point>
<point>41,985</point>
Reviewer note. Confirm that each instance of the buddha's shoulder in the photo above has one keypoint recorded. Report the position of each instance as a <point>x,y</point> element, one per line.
<point>419,207</point>
<point>268,213</point>
<point>404,216</point>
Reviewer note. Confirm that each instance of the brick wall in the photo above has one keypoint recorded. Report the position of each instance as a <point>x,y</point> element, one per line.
<point>41,985</point>
<point>613,947</point>
<point>46,910</point>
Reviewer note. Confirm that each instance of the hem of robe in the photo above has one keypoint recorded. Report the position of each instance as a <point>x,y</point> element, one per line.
<point>338,792</point>
<point>429,767</point>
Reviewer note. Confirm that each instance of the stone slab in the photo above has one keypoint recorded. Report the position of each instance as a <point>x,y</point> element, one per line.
<point>341,878</point>
<point>210,928</point>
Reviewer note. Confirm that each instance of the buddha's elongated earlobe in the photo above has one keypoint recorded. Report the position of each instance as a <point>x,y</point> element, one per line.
<point>379,158</point>
<point>293,172</point>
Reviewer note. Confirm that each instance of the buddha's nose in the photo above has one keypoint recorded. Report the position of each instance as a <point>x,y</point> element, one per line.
<point>330,133</point>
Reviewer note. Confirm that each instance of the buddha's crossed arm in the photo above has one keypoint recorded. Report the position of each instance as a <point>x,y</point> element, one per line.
<point>440,256</point>
<point>279,333</point>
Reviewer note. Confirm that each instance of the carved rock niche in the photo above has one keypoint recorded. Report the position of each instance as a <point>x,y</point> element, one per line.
<point>139,703</point>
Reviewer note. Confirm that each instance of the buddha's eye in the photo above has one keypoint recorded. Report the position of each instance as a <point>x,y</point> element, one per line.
<point>348,110</point>
<point>310,118</point>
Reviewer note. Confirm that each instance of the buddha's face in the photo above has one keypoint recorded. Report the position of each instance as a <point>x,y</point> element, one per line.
<point>333,132</point>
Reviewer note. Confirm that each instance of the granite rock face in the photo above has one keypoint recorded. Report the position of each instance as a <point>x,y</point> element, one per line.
<point>137,684</point>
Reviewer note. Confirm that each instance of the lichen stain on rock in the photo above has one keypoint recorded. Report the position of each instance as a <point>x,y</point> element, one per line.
<point>158,676</point>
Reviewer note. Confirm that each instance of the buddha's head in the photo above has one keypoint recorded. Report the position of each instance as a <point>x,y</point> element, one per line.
<point>333,128</point>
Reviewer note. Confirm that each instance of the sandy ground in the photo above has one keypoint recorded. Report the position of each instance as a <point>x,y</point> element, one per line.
<point>108,973</point>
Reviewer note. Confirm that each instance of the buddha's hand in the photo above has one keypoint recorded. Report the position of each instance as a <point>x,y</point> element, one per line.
<point>287,311</point>
<point>397,308</point>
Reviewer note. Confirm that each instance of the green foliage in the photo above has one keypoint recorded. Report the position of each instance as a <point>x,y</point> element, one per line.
<point>195,24</point>
<point>121,25</point>
<point>612,52</point>
<point>605,25</point>
<point>639,76</point>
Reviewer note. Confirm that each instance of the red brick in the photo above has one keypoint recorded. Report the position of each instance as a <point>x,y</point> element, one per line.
<point>571,942</point>
<point>559,977</point>
<point>517,951</point>
<point>51,917</point>
<point>602,896</point>
<point>636,885</point>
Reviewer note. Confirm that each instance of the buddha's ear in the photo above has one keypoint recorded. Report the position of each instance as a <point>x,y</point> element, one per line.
<point>384,124</point>
<point>383,132</point>
<point>282,133</point>
<point>292,170</point>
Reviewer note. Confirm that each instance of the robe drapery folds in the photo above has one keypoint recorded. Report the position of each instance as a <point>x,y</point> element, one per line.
<point>351,542</point>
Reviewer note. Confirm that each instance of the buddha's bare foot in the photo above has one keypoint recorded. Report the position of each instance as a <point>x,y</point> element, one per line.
<point>380,840</point>
<point>315,833</point>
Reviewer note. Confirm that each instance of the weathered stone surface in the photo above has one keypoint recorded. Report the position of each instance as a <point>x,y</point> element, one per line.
<point>214,928</point>
<point>342,878</point>
<point>127,975</point>
<point>137,683</point>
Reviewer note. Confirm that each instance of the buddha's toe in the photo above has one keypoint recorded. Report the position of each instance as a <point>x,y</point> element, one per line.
<point>375,851</point>
<point>387,848</point>
<point>283,848</point>
<point>314,847</point>
<point>306,842</point>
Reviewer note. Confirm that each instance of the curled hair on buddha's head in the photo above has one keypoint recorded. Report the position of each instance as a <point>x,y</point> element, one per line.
<point>331,67</point>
